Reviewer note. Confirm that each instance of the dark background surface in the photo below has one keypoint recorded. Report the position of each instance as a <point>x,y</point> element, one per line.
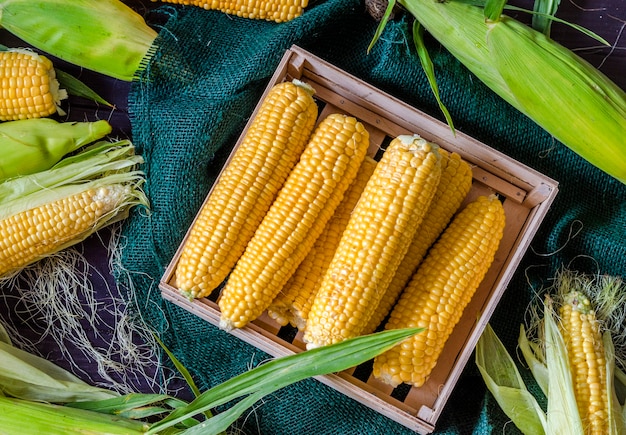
<point>605,17</point>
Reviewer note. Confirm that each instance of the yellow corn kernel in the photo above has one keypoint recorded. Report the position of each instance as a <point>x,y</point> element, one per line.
<point>455,183</point>
<point>295,220</point>
<point>587,358</point>
<point>294,301</point>
<point>440,290</point>
<point>246,188</point>
<point>28,84</point>
<point>269,10</point>
<point>376,238</point>
<point>34,233</point>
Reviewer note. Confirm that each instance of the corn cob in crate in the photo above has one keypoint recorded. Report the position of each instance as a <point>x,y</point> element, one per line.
<point>293,303</point>
<point>376,238</point>
<point>440,290</point>
<point>30,88</point>
<point>246,188</point>
<point>306,202</point>
<point>269,10</point>
<point>455,183</point>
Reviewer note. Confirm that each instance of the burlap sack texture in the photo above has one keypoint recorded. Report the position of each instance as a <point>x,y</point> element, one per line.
<point>189,107</point>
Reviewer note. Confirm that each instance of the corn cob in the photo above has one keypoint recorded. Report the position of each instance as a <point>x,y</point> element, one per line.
<point>585,349</point>
<point>376,238</point>
<point>29,235</point>
<point>455,183</point>
<point>294,301</point>
<point>295,220</point>
<point>507,55</point>
<point>29,86</point>
<point>246,188</point>
<point>440,289</point>
<point>270,10</point>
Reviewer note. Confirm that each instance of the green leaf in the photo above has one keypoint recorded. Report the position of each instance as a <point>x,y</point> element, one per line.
<point>493,9</point>
<point>429,69</point>
<point>280,372</point>
<point>535,360</point>
<point>504,381</point>
<point>180,367</point>
<point>383,22</point>
<point>544,12</point>
<point>74,86</point>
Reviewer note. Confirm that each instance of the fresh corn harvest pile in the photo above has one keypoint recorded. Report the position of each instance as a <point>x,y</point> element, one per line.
<point>342,241</point>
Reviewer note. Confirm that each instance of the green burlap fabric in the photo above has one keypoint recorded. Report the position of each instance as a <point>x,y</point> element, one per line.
<point>190,105</point>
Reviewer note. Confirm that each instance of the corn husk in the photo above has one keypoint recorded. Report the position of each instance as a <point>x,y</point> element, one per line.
<point>105,36</point>
<point>504,381</point>
<point>561,92</point>
<point>33,145</point>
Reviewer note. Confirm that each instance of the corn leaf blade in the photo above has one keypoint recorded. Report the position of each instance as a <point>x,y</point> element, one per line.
<point>533,357</point>
<point>280,372</point>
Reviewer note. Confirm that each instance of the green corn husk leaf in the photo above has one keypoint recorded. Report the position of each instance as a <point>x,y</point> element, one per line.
<point>571,100</point>
<point>505,383</point>
<point>563,416</point>
<point>617,422</point>
<point>534,357</point>
<point>280,372</point>
<point>76,87</point>
<point>30,377</point>
<point>22,417</point>
<point>544,12</point>
<point>105,36</point>
<point>33,145</point>
<point>136,406</point>
<point>27,376</point>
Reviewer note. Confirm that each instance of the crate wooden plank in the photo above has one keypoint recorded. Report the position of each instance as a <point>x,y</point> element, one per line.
<point>526,195</point>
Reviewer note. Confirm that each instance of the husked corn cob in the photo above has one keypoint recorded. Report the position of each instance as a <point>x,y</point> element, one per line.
<point>440,289</point>
<point>585,349</point>
<point>29,86</point>
<point>376,238</point>
<point>34,233</point>
<point>455,183</point>
<point>270,10</point>
<point>246,188</point>
<point>308,199</point>
<point>294,301</point>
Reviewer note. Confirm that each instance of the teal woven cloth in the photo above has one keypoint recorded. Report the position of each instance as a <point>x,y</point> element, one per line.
<point>188,109</point>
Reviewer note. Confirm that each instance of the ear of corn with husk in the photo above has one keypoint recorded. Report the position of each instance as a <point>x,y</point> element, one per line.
<point>105,36</point>
<point>51,210</point>
<point>572,359</point>
<point>557,89</point>
<point>34,145</point>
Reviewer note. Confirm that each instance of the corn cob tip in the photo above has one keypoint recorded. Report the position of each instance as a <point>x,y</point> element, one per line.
<point>307,87</point>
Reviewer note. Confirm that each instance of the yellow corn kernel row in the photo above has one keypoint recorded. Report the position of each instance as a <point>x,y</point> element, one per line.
<point>454,185</point>
<point>269,10</point>
<point>585,349</point>
<point>246,188</point>
<point>293,303</point>
<point>440,290</point>
<point>306,202</point>
<point>376,238</point>
<point>34,233</point>
<point>28,86</point>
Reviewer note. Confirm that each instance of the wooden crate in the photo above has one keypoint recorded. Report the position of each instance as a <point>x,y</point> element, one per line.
<point>526,196</point>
